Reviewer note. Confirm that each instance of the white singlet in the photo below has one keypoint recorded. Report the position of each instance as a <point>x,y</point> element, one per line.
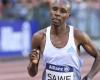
<point>61,63</point>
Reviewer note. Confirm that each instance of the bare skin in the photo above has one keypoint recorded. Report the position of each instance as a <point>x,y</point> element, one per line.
<point>59,29</point>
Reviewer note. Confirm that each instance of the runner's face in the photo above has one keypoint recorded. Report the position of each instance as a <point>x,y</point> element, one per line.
<point>59,13</point>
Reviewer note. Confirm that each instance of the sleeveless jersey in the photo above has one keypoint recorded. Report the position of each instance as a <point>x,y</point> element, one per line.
<point>61,63</point>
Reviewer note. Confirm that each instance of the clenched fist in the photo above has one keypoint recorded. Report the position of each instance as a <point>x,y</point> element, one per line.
<point>34,56</point>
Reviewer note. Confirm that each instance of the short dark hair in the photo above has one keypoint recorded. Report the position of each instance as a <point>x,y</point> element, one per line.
<point>67,2</point>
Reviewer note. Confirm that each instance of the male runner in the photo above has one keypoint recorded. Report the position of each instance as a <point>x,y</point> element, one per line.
<point>59,44</point>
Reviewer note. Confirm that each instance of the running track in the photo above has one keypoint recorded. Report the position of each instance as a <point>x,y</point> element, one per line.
<point>17,69</point>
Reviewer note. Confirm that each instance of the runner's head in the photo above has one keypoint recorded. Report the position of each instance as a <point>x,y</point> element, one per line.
<point>60,11</point>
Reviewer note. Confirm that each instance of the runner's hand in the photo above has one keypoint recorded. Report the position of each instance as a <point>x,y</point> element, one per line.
<point>34,56</point>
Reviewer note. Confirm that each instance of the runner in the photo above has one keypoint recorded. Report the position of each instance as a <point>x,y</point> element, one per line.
<point>59,44</point>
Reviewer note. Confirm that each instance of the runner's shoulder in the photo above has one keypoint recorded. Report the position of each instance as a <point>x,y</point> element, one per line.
<point>80,36</point>
<point>39,35</point>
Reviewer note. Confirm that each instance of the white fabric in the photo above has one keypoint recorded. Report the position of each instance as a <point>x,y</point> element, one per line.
<point>62,56</point>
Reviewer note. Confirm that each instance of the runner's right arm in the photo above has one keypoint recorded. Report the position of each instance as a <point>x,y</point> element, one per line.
<point>34,55</point>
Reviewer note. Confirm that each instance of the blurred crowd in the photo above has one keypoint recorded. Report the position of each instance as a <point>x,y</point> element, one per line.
<point>85,13</point>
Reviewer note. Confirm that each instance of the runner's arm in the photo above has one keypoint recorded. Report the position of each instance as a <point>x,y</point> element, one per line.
<point>34,56</point>
<point>93,51</point>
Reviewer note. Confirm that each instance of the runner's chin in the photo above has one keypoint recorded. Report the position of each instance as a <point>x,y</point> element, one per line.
<point>56,22</point>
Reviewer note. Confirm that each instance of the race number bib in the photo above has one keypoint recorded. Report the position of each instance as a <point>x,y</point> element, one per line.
<point>55,72</point>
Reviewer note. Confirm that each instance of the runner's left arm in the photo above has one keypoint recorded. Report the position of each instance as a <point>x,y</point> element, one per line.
<point>93,51</point>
